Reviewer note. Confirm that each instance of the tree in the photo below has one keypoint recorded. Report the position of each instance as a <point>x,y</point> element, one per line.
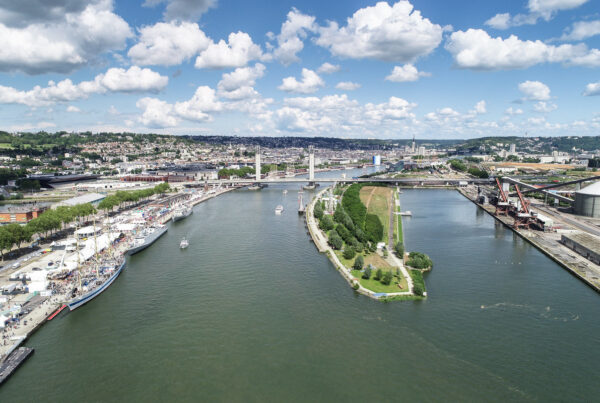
<point>18,234</point>
<point>378,274</point>
<point>399,249</point>
<point>387,278</point>
<point>367,273</point>
<point>6,240</point>
<point>419,261</point>
<point>359,262</point>
<point>318,211</point>
<point>349,253</point>
<point>335,241</point>
<point>326,223</point>
<point>373,228</point>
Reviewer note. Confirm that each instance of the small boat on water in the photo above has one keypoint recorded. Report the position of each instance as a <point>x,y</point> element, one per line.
<point>279,209</point>
<point>184,243</point>
<point>284,191</point>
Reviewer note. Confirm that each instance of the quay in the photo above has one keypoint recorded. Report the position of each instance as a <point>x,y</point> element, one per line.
<point>42,309</point>
<point>14,361</point>
<point>549,244</point>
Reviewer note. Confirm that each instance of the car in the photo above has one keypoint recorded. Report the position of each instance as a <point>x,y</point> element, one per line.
<point>50,263</point>
<point>16,265</point>
<point>36,269</point>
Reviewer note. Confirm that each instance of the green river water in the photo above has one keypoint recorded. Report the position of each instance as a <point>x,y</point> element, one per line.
<point>252,312</point>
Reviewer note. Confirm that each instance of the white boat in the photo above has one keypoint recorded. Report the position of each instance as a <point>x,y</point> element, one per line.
<point>184,243</point>
<point>279,209</point>
<point>284,191</point>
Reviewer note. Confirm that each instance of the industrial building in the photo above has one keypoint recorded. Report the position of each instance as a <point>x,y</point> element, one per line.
<point>583,243</point>
<point>93,198</point>
<point>587,201</point>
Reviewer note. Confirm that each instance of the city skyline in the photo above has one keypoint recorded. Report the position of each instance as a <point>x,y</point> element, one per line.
<point>357,69</point>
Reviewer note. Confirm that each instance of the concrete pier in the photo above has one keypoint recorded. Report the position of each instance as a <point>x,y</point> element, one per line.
<point>14,361</point>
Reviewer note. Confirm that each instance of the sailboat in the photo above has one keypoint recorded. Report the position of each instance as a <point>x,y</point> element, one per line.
<point>103,277</point>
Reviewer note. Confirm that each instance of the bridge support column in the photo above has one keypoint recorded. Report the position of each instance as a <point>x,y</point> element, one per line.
<point>257,164</point>
<point>311,164</point>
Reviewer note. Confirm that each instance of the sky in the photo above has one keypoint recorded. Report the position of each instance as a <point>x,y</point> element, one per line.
<point>432,69</point>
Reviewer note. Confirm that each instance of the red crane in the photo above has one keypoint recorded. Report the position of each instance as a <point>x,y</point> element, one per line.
<point>503,204</point>
<point>523,217</point>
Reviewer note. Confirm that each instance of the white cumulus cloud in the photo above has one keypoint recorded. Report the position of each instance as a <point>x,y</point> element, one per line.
<point>73,109</point>
<point>239,84</point>
<point>328,68</point>
<point>395,33</point>
<point>592,89</point>
<point>535,91</point>
<point>347,86</point>
<point>538,9</point>
<point>310,83</point>
<point>581,30</point>
<point>168,44</point>
<point>63,42</point>
<point>406,73</point>
<point>237,52</point>
<point>513,111</point>
<point>476,49</point>
<point>134,79</point>
<point>291,39</point>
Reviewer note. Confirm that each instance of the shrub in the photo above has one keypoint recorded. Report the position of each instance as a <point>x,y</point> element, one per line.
<point>419,260</point>
<point>349,253</point>
<point>367,273</point>
<point>399,249</point>
<point>355,286</point>
<point>418,282</point>
<point>335,241</point>
<point>359,262</point>
<point>318,211</point>
<point>387,278</point>
<point>378,274</point>
<point>326,223</point>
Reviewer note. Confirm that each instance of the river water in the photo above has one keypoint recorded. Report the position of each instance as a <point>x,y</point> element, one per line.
<point>252,312</point>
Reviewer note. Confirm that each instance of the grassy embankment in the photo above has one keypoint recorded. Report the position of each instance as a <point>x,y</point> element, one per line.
<point>376,199</point>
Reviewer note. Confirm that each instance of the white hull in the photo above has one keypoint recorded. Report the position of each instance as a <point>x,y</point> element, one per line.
<point>77,302</point>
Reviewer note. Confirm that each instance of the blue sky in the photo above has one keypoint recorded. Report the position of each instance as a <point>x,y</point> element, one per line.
<point>429,68</point>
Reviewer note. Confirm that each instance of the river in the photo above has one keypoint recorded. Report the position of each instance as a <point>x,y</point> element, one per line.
<point>252,312</point>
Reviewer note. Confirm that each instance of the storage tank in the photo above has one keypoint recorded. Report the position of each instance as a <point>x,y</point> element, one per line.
<point>587,201</point>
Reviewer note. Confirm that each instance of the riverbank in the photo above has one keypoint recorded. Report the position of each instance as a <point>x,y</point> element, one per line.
<point>39,307</point>
<point>548,244</point>
<point>320,240</point>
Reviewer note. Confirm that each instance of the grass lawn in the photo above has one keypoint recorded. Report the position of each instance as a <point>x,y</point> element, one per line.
<point>376,199</point>
<point>379,263</point>
<point>397,221</point>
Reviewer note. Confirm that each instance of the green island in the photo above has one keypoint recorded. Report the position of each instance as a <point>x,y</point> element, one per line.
<point>362,229</point>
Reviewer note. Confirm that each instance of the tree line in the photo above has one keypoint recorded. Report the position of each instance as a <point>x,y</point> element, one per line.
<point>48,222</point>
<point>131,196</point>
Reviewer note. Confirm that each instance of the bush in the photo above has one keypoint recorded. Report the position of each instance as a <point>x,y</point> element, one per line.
<point>318,211</point>
<point>418,282</point>
<point>378,274</point>
<point>418,290</point>
<point>359,262</point>
<point>367,273</point>
<point>355,286</point>
<point>419,261</point>
<point>349,253</point>
<point>387,278</point>
<point>399,249</point>
<point>326,223</point>
<point>335,241</point>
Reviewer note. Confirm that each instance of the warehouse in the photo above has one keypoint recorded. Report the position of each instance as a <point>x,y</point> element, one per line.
<point>585,244</point>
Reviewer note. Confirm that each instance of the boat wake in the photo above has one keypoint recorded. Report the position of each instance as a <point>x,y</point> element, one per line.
<point>544,313</point>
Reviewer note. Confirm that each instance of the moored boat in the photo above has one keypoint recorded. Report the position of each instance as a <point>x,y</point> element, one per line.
<point>107,274</point>
<point>182,213</point>
<point>146,238</point>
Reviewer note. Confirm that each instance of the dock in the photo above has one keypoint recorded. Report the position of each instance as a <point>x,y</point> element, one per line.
<point>549,244</point>
<point>14,361</point>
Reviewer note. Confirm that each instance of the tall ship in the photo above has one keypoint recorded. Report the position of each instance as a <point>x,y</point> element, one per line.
<point>92,286</point>
<point>148,236</point>
<point>181,213</point>
<point>96,279</point>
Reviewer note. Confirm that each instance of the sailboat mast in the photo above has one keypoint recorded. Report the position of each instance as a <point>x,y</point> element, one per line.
<point>95,244</point>
<point>78,257</point>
